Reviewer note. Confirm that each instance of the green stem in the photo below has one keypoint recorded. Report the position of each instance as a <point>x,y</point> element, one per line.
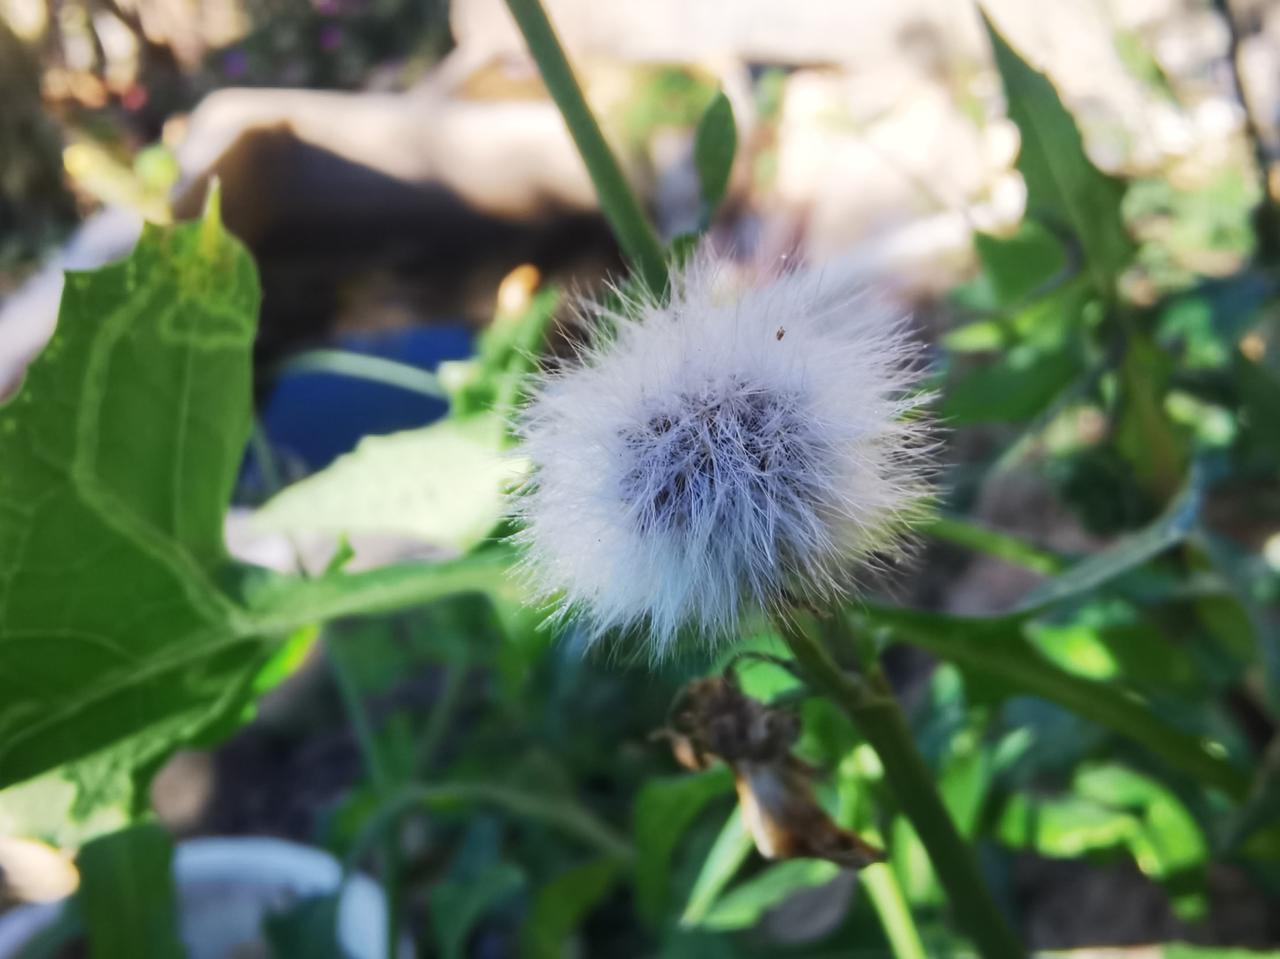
<point>871,705</point>
<point>895,915</point>
<point>618,203</point>
<point>452,684</point>
<point>375,369</point>
<point>389,830</point>
<point>560,815</point>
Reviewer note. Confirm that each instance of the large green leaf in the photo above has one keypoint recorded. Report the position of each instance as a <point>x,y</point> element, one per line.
<point>119,456</point>
<point>443,483</point>
<point>124,630</point>
<point>1063,186</point>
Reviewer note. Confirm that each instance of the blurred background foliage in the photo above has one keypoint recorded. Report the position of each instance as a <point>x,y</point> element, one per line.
<point>1089,646</point>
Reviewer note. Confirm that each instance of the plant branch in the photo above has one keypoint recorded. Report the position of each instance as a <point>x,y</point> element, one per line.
<point>1266,217</point>
<point>871,705</point>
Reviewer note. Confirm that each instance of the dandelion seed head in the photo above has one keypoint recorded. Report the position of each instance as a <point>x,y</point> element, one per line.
<point>738,447</point>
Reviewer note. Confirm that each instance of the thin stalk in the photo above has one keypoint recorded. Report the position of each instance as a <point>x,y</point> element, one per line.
<point>1266,217</point>
<point>871,705</point>
<point>452,684</point>
<point>618,203</point>
<point>383,785</point>
<point>560,815</point>
<point>895,915</point>
<point>361,366</point>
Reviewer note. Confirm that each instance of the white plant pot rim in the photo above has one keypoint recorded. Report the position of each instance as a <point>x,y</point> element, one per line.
<point>250,863</point>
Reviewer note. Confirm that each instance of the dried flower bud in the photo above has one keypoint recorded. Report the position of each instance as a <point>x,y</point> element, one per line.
<point>721,453</point>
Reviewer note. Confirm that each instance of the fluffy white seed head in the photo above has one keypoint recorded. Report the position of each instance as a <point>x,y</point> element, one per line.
<point>744,445</point>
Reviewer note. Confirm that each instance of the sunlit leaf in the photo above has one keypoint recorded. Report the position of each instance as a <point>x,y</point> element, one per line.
<point>743,905</point>
<point>442,484</point>
<point>996,651</point>
<point>963,532</point>
<point>1063,186</point>
<point>1024,265</point>
<point>120,452</point>
<point>731,849</point>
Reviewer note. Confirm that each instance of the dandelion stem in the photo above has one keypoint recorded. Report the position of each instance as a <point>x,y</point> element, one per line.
<point>618,203</point>
<point>870,703</point>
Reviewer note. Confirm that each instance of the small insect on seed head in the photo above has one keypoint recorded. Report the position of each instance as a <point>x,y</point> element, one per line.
<point>718,453</point>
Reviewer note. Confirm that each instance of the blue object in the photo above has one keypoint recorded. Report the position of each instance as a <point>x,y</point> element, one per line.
<point>313,416</point>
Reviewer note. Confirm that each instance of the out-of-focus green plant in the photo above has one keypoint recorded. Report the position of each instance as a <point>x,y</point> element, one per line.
<point>1119,710</point>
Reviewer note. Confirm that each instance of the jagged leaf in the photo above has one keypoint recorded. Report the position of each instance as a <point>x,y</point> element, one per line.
<point>1062,184</point>
<point>119,456</point>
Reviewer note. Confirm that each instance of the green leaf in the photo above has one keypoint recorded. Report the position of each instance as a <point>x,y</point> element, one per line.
<point>119,455</point>
<point>1169,529</point>
<point>743,905</point>
<point>458,905</point>
<point>1143,432</point>
<point>124,629</point>
<point>493,381</point>
<point>442,484</point>
<point>1111,806</point>
<point>664,811</point>
<point>127,897</point>
<point>68,806</point>
<point>714,144</point>
<point>1021,266</point>
<point>562,904</point>
<point>1064,828</point>
<point>1063,186</point>
<point>996,651</point>
<point>1014,388</point>
<point>731,849</point>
